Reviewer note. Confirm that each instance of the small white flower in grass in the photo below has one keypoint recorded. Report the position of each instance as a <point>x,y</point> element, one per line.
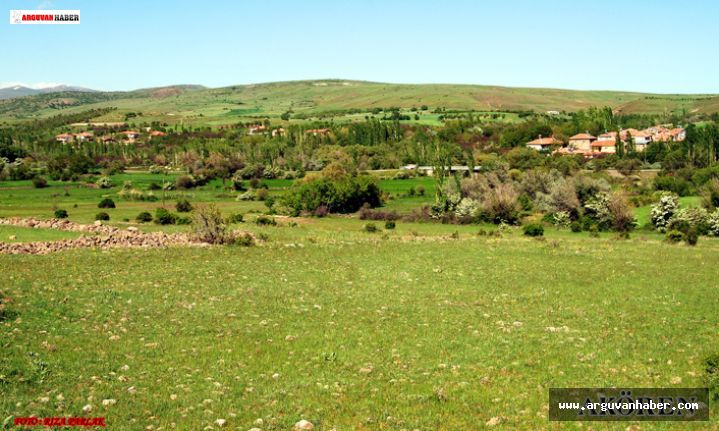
<point>132,389</point>
<point>109,402</point>
<point>125,367</point>
<point>675,380</point>
<point>304,425</point>
<point>259,421</point>
<point>255,429</point>
<point>173,397</point>
<point>276,376</point>
<point>220,422</point>
<point>44,399</point>
<point>87,408</point>
<point>494,421</point>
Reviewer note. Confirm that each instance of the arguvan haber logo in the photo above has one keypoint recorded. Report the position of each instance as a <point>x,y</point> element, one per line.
<point>44,17</point>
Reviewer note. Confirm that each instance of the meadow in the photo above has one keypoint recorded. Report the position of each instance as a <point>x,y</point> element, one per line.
<point>426,326</point>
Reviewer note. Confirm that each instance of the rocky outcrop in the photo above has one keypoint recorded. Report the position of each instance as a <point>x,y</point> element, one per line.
<point>102,237</point>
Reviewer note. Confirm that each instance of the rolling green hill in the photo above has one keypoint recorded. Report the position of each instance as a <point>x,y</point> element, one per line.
<point>200,105</point>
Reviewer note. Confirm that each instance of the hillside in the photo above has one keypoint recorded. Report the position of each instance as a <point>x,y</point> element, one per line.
<point>200,105</point>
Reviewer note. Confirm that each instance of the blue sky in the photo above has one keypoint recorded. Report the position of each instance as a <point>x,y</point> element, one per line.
<point>641,45</point>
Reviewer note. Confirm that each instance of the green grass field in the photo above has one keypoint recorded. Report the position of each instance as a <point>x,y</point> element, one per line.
<point>427,326</point>
<point>352,330</point>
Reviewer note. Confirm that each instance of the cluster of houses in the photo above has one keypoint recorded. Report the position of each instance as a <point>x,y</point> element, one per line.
<point>261,129</point>
<point>126,136</point>
<point>591,146</point>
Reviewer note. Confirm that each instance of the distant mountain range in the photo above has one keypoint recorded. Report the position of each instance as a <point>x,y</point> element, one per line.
<point>11,92</point>
<point>198,105</point>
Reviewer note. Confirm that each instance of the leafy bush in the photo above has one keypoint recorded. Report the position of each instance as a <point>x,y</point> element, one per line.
<point>561,219</point>
<point>662,212</point>
<point>711,369</point>
<point>39,182</point>
<point>106,203</point>
<point>104,182</point>
<point>103,216</point>
<point>675,236</point>
<point>533,229</point>
<point>367,213</point>
<point>673,184</point>
<point>620,213</point>
<point>692,236</point>
<point>370,227</point>
<point>710,194</point>
<point>185,182</point>
<point>261,194</point>
<point>59,213</point>
<point>265,221</point>
<point>183,220</point>
<point>390,224</point>
<point>183,206</point>
<point>209,226</point>
<point>164,217</point>
<point>143,217</point>
<point>713,223</point>
<point>244,240</point>
<point>419,190</point>
<point>154,186</point>
<point>500,204</point>
<point>343,195</point>
<point>575,226</point>
<point>235,218</point>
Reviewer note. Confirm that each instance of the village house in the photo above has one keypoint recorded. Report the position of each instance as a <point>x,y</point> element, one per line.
<point>131,135</point>
<point>607,146</point>
<point>317,132</point>
<point>64,137</point>
<point>544,143</point>
<point>678,134</point>
<point>278,132</point>
<point>582,142</point>
<point>106,139</point>
<point>157,133</point>
<point>256,129</point>
<point>608,136</point>
<point>641,139</point>
<point>84,136</point>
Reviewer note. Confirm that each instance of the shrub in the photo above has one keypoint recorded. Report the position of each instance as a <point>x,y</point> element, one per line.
<point>692,236</point>
<point>137,195</point>
<point>500,204</point>
<point>143,217</point>
<point>673,184</point>
<point>265,221</point>
<point>321,211</point>
<point>185,182</point>
<point>59,213</point>
<point>575,226</point>
<point>164,217</point>
<point>713,223</point>
<point>366,213</point>
<point>244,240</point>
<point>675,236</point>
<point>663,211</point>
<point>209,226</point>
<point>420,190</point>
<point>104,182</point>
<point>533,229</point>
<point>343,195</point>
<point>710,194</point>
<point>235,218</point>
<point>370,227</point>
<point>183,220</point>
<point>154,186</point>
<point>620,213</point>
<point>103,216</point>
<point>711,368</point>
<point>39,182</point>
<point>261,194</point>
<point>183,206</point>
<point>106,203</point>
<point>389,224</point>
<point>561,219</point>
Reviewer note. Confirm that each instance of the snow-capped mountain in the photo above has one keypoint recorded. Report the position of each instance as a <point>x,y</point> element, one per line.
<point>12,91</point>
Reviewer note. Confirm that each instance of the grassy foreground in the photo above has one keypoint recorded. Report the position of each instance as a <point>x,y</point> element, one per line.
<point>353,330</point>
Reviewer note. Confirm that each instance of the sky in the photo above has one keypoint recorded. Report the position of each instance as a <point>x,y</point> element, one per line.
<point>639,45</point>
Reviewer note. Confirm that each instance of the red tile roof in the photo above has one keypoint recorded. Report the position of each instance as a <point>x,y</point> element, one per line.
<point>582,137</point>
<point>545,141</point>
